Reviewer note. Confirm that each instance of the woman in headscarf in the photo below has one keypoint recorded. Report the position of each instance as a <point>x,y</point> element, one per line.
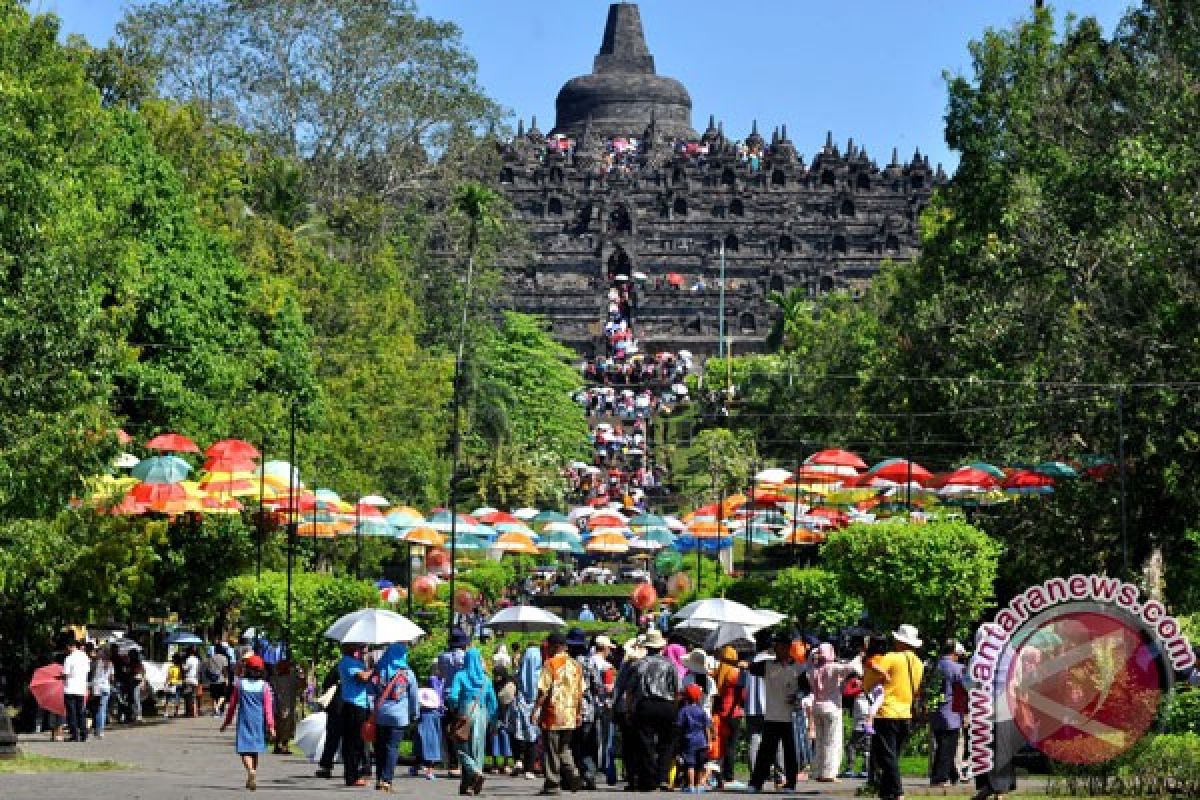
<point>727,712</point>
<point>675,653</point>
<point>472,697</point>
<point>524,732</point>
<point>395,709</point>
<point>826,680</point>
<point>499,741</point>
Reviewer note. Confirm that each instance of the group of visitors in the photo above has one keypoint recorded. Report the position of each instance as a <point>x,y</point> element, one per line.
<point>654,713</point>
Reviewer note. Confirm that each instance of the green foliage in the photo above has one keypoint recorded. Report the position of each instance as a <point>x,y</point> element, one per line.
<point>490,578</point>
<point>318,600</point>
<point>813,598</point>
<point>718,460</point>
<point>1182,714</point>
<point>937,576</point>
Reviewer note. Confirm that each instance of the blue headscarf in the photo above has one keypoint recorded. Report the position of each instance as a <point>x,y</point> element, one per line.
<point>473,676</point>
<point>394,659</point>
<point>531,669</point>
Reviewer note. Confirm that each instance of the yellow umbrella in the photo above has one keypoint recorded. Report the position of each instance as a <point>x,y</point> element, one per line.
<point>515,543</point>
<point>706,529</point>
<point>427,537</point>
<point>610,543</point>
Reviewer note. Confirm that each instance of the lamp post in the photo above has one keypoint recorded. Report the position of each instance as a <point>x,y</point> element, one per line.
<point>291,528</point>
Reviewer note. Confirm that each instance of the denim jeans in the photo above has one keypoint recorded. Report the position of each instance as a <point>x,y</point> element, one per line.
<point>387,750</point>
<point>101,713</point>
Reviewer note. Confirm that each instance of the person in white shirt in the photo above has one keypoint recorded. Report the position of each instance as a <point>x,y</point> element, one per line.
<point>191,683</point>
<point>102,683</point>
<point>76,668</point>
<point>781,678</point>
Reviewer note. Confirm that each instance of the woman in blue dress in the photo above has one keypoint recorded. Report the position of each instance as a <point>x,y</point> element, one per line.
<point>471,696</point>
<point>428,745</point>
<point>252,704</point>
<point>395,710</point>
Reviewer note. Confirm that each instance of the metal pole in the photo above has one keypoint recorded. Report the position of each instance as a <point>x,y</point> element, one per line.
<point>1121,473</point>
<point>749,525</point>
<point>909,459</point>
<point>455,436</point>
<point>358,540</point>
<point>408,573</point>
<point>721,308</point>
<point>796,503</point>
<point>291,540</point>
<point>262,514</point>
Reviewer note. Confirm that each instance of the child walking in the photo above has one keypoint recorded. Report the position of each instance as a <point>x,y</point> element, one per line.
<point>693,723</point>
<point>252,703</point>
<point>429,731</point>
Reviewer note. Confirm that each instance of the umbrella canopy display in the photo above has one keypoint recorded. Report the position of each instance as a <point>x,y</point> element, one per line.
<point>1026,481</point>
<point>184,637</point>
<point>898,470</point>
<point>524,619</point>
<point>125,461</point>
<point>424,536</point>
<point>172,443</point>
<point>47,686</point>
<point>647,521</point>
<point>374,626</point>
<point>232,449</point>
<point>773,475</point>
<point>405,517</point>
<point>1056,469</point>
<point>549,517</point>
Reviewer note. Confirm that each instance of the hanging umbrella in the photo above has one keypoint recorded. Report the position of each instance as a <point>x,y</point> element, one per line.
<point>1026,481</point>
<point>310,737</point>
<point>548,518</point>
<point>374,500</point>
<point>712,545</point>
<point>1056,469</point>
<point>47,686</point>
<point>607,543</point>
<point>184,637</point>
<point>836,458</point>
<point>469,541</point>
<point>515,527</point>
<point>405,517</point>
<point>157,495</point>
<point>392,594</point>
<point>374,626</point>
<point>524,619</point>
<point>647,545</point>
<point>972,477</point>
<point>667,561</point>
<point>990,469</point>
<point>607,519</point>
<point>898,469</point>
<point>172,443</point>
<point>773,475</point>
<point>515,543</point>
<point>559,527</point>
<point>125,461</point>
<point>526,514</point>
<point>162,469</point>
<point>423,536</point>
<point>280,475</point>
<point>232,449</point>
<point>496,518</point>
<point>647,521</point>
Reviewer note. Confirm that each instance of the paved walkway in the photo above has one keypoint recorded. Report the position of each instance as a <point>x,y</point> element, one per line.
<point>191,760</point>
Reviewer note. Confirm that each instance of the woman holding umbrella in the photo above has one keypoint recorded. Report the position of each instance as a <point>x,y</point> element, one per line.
<point>472,698</point>
<point>395,709</point>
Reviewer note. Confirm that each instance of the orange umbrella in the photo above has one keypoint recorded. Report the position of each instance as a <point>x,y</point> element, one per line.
<point>232,449</point>
<point>707,529</point>
<point>427,537</point>
<point>608,543</point>
<point>801,536</point>
<point>514,542</point>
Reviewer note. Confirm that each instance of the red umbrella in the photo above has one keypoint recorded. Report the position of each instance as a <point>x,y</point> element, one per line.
<point>836,458</point>
<point>232,450</point>
<point>1028,481</point>
<point>675,279</point>
<point>897,470</point>
<point>971,476</point>
<point>154,493</point>
<point>123,437</point>
<point>173,442</point>
<point>47,687</point>
<point>223,464</point>
<point>497,517</point>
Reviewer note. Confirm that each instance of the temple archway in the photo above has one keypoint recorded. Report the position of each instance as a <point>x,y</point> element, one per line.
<point>731,243</point>
<point>776,284</point>
<point>839,244</point>
<point>680,208</point>
<point>826,284</point>
<point>554,207</point>
<point>863,181</point>
<point>786,245</point>
<point>620,221</point>
<point>737,208</point>
<point>747,324</point>
<point>728,177</point>
<point>828,178</point>
<point>778,178</point>
<point>619,264</point>
<point>847,209</point>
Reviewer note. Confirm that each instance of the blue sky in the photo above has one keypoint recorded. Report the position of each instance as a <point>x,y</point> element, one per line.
<point>870,69</point>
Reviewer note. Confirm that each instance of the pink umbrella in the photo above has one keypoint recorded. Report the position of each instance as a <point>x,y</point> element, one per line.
<point>47,687</point>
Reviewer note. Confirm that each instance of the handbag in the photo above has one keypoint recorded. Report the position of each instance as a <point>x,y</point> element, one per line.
<point>368,727</point>
<point>460,729</point>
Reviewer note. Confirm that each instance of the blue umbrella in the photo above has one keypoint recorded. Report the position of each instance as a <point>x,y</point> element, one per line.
<point>162,469</point>
<point>384,583</point>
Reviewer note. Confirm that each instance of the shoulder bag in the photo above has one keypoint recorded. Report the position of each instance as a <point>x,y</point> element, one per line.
<point>460,729</point>
<point>368,727</point>
<point>920,708</point>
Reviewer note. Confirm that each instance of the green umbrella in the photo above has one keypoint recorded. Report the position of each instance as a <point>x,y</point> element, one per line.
<point>1056,469</point>
<point>668,561</point>
<point>546,517</point>
<point>660,535</point>
<point>647,521</point>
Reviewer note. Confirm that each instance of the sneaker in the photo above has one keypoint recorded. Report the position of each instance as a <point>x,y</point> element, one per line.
<point>324,773</point>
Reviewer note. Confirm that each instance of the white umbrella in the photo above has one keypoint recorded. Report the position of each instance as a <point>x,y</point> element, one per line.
<point>126,461</point>
<point>731,633</point>
<point>718,609</point>
<point>675,524</point>
<point>377,500</point>
<point>310,736</point>
<point>773,475</point>
<point>483,511</point>
<point>374,626</point>
<point>526,513</point>
<point>525,619</point>
<point>640,276</point>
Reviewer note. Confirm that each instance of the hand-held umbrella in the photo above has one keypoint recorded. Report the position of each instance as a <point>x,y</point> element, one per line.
<point>48,689</point>
<point>374,626</point>
<point>525,619</point>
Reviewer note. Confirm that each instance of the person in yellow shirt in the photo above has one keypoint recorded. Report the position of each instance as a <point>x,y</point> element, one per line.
<point>174,686</point>
<point>558,709</point>
<point>899,672</point>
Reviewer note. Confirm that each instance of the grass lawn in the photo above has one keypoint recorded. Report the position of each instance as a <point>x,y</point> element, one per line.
<point>29,763</point>
<point>621,590</point>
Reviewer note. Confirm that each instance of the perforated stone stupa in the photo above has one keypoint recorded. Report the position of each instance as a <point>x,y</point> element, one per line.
<point>624,189</point>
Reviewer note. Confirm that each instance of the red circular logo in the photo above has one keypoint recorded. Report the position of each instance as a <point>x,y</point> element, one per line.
<point>1085,686</point>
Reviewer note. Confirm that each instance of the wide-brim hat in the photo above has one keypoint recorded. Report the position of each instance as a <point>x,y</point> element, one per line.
<point>907,634</point>
<point>428,698</point>
<point>655,640</point>
<point>604,641</point>
<point>697,661</point>
<point>633,649</point>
